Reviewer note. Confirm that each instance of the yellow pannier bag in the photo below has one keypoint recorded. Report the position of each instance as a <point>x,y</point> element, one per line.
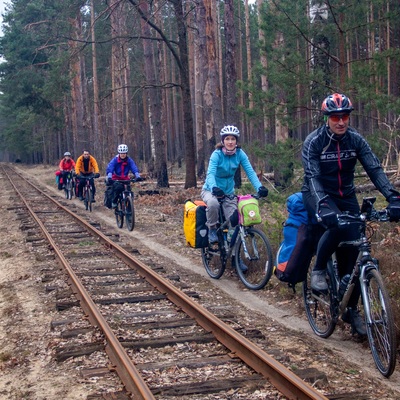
<point>194,223</point>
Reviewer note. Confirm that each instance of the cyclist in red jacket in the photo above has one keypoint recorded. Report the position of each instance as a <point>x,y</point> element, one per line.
<point>67,164</point>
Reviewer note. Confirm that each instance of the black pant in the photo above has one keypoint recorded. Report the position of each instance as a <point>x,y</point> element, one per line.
<point>331,238</point>
<point>82,183</point>
<point>117,189</point>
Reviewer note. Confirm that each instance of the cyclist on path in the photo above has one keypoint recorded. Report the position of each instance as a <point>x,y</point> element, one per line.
<point>86,165</point>
<point>118,169</point>
<point>67,164</point>
<point>224,161</point>
<point>329,155</point>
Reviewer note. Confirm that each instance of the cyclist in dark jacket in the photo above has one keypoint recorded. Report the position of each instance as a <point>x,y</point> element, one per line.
<point>118,169</point>
<point>329,155</point>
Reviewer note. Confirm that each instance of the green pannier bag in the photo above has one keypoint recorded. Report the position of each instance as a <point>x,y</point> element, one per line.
<point>249,211</point>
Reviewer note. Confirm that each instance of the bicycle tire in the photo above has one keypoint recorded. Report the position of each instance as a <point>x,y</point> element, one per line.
<point>321,308</point>
<point>214,258</point>
<point>119,214</point>
<point>68,190</point>
<point>381,331</point>
<point>129,213</point>
<point>86,198</point>
<point>260,265</point>
<point>89,197</point>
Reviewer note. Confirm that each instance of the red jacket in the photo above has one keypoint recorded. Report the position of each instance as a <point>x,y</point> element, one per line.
<point>67,165</point>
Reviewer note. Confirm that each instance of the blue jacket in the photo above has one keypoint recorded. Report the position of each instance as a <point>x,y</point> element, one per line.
<point>119,169</point>
<point>222,168</point>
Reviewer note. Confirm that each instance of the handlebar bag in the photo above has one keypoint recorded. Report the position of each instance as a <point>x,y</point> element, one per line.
<point>249,211</point>
<point>194,223</point>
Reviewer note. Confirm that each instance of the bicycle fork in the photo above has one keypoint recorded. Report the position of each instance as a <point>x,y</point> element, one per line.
<point>242,234</point>
<point>366,303</point>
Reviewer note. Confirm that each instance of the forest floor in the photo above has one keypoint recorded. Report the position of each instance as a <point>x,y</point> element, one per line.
<point>28,370</point>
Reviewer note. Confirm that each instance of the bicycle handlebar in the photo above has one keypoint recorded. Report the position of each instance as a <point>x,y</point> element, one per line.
<point>131,180</point>
<point>232,196</point>
<point>374,215</point>
<point>90,176</point>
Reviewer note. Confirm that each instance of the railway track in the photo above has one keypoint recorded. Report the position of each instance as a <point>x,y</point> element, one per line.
<point>158,338</point>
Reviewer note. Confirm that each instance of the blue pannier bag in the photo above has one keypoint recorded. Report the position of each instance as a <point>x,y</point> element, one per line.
<point>300,239</point>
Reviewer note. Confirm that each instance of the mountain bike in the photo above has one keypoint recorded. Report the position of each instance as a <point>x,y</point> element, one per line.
<point>69,184</point>
<point>87,192</point>
<point>324,308</point>
<point>125,209</point>
<point>249,248</point>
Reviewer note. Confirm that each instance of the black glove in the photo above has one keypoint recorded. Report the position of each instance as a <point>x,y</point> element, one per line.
<point>97,175</point>
<point>394,206</point>
<point>139,179</point>
<point>217,192</point>
<point>327,215</point>
<point>262,191</point>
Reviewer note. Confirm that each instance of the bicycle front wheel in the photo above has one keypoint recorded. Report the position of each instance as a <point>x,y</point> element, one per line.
<point>321,307</point>
<point>214,259</point>
<point>119,214</point>
<point>68,190</point>
<point>381,329</point>
<point>88,199</point>
<point>253,259</point>
<point>129,213</point>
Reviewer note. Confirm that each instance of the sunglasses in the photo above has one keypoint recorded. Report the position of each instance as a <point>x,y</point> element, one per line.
<point>336,118</point>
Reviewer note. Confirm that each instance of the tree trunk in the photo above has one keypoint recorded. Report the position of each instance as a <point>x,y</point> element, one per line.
<point>154,97</point>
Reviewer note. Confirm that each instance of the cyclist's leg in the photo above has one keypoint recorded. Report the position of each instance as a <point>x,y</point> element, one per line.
<point>117,190</point>
<point>212,212</point>
<point>81,183</point>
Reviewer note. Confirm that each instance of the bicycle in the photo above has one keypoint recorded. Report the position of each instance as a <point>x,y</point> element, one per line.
<point>87,192</point>
<point>125,206</point>
<point>250,248</point>
<point>323,308</point>
<point>69,184</point>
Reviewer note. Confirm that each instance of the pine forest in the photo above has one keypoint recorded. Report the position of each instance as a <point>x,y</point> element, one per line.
<point>164,76</point>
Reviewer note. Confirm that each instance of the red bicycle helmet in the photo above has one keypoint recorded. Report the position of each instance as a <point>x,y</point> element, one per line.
<point>336,103</point>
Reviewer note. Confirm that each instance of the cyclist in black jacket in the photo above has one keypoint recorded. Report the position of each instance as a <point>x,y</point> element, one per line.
<point>329,155</point>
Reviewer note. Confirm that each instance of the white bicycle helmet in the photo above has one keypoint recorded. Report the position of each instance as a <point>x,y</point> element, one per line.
<point>229,130</point>
<point>122,148</point>
<point>67,153</point>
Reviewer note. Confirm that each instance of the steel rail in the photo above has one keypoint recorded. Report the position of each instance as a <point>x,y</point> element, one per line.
<point>124,367</point>
<point>283,379</point>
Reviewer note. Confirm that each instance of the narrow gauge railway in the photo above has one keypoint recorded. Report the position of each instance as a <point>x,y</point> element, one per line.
<point>138,312</point>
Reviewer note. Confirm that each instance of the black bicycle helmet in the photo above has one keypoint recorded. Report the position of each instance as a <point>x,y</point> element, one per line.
<point>336,103</point>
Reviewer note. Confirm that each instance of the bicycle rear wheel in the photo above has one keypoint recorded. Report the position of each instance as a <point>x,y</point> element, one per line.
<point>214,258</point>
<point>321,307</point>
<point>381,330</point>
<point>119,214</point>
<point>253,259</point>
<point>129,213</point>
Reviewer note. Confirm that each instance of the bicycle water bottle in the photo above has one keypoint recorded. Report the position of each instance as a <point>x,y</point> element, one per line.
<point>343,286</point>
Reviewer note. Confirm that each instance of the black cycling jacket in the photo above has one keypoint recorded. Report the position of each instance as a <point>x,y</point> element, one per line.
<point>329,163</point>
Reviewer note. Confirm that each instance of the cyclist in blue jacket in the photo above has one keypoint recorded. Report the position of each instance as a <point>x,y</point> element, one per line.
<point>224,161</point>
<point>118,169</point>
